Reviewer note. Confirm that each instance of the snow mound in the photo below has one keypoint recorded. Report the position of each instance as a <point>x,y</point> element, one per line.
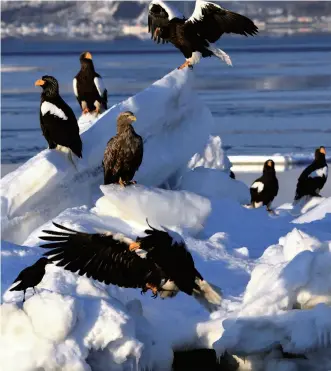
<point>213,183</point>
<point>213,156</point>
<point>172,209</point>
<point>295,274</point>
<point>169,113</point>
<point>207,174</point>
<point>73,323</point>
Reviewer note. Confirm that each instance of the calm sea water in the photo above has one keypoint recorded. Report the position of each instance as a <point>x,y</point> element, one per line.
<point>276,98</point>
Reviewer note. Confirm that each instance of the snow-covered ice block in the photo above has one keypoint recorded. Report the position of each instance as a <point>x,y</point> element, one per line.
<point>173,122</point>
<point>180,210</point>
<point>212,157</point>
<point>213,183</point>
<point>296,273</point>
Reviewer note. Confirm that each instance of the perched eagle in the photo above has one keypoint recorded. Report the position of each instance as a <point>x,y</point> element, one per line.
<point>31,276</point>
<point>158,262</point>
<point>88,86</point>
<point>195,36</point>
<point>124,152</point>
<point>313,178</point>
<point>265,189</point>
<point>57,120</point>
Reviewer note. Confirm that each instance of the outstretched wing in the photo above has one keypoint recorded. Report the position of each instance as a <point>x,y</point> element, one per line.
<point>159,15</point>
<point>105,258</point>
<point>211,21</point>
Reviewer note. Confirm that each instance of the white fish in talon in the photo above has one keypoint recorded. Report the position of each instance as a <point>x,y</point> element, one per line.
<point>195,36</point>
<point>88,87</point>
<point>57,120</point>
<point>313,178</point>
<point>265,189</point>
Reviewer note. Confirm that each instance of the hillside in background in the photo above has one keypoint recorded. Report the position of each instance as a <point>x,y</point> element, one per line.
<point>110,19</point>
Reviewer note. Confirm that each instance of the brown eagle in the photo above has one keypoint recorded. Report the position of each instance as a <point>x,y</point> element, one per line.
<point>194,36</point>
<point>124,152</point>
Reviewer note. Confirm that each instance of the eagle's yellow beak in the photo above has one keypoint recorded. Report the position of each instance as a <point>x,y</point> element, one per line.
<point>133,117</point>
<point>322,150</point>
<point>88,55</point>
<point>39,83</point>
<point>269,163</point>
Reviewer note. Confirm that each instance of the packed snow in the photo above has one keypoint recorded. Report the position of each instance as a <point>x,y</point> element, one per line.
<point>274,270</point>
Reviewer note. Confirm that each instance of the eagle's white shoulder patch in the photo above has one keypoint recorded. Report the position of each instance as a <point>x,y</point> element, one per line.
<point>99,85</point>
<point>53,110</point>
<point>197,13</point>
<point>74,85</point>
<point>258,185</point>
<point>319,173</point>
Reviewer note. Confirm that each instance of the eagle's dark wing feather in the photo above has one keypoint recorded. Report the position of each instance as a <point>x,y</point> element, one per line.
<point>211,21</point>
<point>99,256</point>
<point>157,18</point>
<point>172,256</point>
<point>110,160</point>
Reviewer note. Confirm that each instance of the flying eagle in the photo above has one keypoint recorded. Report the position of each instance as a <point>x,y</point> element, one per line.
<point>195,36</point>
<point>159,261</point>
<point>88,86</point>
<point>314,177</point>
<point>57,120</point>
<point>265,189</point>
<point>124,152</point>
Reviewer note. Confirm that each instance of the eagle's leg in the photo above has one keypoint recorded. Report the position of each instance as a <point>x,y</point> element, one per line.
<point>97,106</point>
<point>156,32</point>
<point>84,107</point>
<point>121,182</point>
<point>24,295</point>
<point>134,246</point>
<point>186,64</point>
<point>153,288</point>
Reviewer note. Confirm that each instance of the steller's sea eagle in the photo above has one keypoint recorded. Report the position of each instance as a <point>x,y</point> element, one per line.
<point>57,120</point>
<point>194,36</point>
<point>159,261</point>
<point>265,189</point>
<point>124,152</point>
<point>31,276</point>
<point>314,177</point>
<point>88,86</point>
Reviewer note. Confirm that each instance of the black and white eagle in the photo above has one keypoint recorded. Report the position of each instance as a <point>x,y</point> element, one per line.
<point>31,276</point>
<point>57,120</point>
<point>124,152</point>
<point>159,262</point>
<point>88,87</point>
<point>314,177</point>
<point>265,189</point>
<point>195,36</point>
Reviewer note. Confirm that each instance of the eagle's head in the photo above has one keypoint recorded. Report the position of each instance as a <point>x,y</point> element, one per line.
<point>320,154</point>
<point>86,61</point>
<point>125,119</point>
<point>269,166</point>
<point>49,85</point>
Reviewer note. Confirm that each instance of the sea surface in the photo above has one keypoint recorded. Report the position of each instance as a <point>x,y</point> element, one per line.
<point>275,99</point>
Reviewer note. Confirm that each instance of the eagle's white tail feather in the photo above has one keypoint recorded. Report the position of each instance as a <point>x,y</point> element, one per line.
<point>219,53</point>
<point>208,295</point>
